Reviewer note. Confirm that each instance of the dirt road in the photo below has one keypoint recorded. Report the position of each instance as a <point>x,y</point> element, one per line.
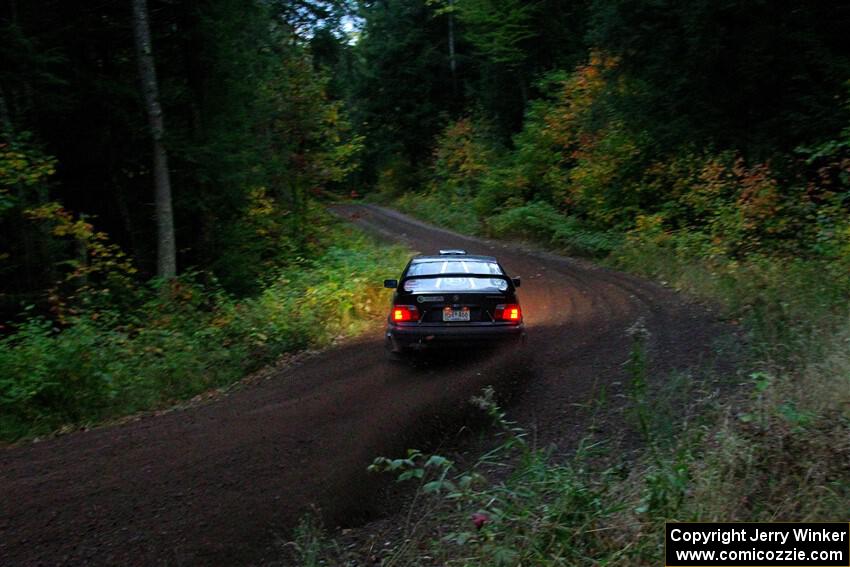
<point>221,483</point>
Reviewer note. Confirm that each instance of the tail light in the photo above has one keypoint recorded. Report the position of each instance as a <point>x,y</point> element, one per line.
<point>402,313</point>
<point>509,312</point>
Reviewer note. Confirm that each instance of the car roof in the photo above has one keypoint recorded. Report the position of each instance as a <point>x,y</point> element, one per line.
<point>452,258</point>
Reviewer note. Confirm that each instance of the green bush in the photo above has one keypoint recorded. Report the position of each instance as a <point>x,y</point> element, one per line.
<point>184,339</point>
<point>540,222</point>
<point>452,213</point>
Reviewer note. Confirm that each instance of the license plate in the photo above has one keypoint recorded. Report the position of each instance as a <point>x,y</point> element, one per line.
<point>450,314</point>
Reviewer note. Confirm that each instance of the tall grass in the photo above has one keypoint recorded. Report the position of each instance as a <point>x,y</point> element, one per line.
<point>452,213</point>
<point>789,305</point>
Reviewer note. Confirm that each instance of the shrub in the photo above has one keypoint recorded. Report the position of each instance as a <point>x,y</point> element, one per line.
<point>541,222</point>
<point>462,158</point>
<point>455,214</point>
<point>183,339</point>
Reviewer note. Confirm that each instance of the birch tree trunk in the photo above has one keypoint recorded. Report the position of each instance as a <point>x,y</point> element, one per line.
<point>166,255</point>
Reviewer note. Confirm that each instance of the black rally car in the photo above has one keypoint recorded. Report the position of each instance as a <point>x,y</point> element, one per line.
<point>453,297</point>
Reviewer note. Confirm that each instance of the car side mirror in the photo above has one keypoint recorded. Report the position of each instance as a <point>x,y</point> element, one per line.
<point>391,284</point>
<point>517,281</point>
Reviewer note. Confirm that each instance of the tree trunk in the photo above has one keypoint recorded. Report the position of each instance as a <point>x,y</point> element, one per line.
<point>523,90</point>
<point>452,59</point>
<point>5,117</point>
<point>166,255</point>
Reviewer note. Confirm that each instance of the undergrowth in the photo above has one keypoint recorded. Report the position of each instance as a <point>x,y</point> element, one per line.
<point>456,214</point>
<point>183,338</point>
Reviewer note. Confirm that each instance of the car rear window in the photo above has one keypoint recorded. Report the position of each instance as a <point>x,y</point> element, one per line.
<point>438,284</point>
<point>455,284</point>
<point>454,267</point>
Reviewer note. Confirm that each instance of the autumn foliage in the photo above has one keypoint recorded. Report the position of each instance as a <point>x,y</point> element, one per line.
<point>578,169</point>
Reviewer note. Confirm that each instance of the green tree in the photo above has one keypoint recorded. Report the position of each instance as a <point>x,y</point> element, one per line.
<point>755,76</point>
<point>498,28</point>
<point>402,81</point>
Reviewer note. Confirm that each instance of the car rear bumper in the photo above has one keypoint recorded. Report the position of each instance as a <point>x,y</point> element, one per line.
<point>413,336</point>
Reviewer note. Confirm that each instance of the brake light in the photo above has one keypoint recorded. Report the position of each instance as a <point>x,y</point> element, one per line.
<point>402,313</point>
<point>510,312</point>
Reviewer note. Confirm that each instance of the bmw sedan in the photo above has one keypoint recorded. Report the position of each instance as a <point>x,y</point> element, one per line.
<point>453,297</point>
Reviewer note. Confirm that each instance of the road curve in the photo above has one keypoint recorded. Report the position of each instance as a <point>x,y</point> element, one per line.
<point>221,483</point>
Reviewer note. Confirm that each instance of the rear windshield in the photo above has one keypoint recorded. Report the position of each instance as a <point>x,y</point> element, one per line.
<point>453,267</point>
<point>455,284</point>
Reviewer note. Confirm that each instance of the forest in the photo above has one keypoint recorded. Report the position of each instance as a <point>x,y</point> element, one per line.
<point>165,168</point>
